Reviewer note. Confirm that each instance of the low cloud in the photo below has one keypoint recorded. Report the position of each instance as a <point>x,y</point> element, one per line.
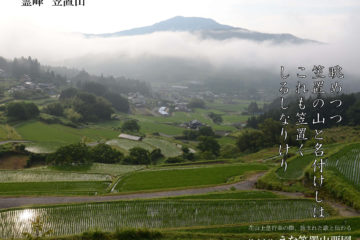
<point>95,54</point>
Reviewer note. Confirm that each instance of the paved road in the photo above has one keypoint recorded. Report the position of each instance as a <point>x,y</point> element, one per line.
<point>10,202</point>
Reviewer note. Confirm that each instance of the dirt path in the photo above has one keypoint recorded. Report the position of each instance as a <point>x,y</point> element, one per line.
<point>10,202</point>
<point>13,141</point>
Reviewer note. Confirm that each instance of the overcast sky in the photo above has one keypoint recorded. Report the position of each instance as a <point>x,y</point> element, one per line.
<point>320,19</point>
<point>46,32</point>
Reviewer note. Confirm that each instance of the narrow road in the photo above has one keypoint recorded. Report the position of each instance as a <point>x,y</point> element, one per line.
<point>11,202</point>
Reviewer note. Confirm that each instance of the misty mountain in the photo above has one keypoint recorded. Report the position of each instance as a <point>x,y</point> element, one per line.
<point>207,29</point>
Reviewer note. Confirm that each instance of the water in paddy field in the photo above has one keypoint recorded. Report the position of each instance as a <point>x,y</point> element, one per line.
<point>75,219</point>
<point>38,149</point>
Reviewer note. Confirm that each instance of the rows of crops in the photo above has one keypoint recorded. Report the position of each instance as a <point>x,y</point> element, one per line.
<point>43,176</point>
<point>347,162</point>
<point>72,219</point>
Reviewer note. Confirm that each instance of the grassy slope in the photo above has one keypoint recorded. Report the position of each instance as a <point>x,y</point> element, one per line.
<point>8,133</point>
<point>296,167</point>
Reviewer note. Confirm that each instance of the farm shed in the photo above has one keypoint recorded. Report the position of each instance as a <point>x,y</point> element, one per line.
<point>130,137</point>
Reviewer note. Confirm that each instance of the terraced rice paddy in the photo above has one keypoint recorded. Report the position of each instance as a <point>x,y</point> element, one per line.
<point>180,177</point>
<point>169,149</point>
<point>72,219</point>
<point>20,182</point>
<point>7,176</point>
<point>296,167</point>
<point>97,168</point>
<point>347,162</point>
<point>48,137</point>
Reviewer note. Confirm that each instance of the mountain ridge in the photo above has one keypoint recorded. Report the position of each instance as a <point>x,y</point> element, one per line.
<point>206,28</point>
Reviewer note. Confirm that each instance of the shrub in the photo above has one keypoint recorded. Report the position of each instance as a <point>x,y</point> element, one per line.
<point>22,110</point>
<point>55,109</point>
<point>156,155</point>
<point>206,131</point>
<point>216,118</point>
<point>130,126</point>
<point>209,144</point>
<point>36,159</point>
<point>72,115</point>
<point>104,153</point>
<point>174,160</point>
<point>95,235</point>
<point>134,234</point>
<point>250,141</point>
<point>187,154</point>
<point>48,118</point>
<point>229,151</point>
<point>190,134</point>
<point>71,155</point>
<point>138,155</point>
<point>196,103</point>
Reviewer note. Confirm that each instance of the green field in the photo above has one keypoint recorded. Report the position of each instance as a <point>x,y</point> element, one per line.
<point>151,214</point>
<point>226,140</point>
<point>236,107</point>
<point>184,177</point>
<point>48,137</point>
<point>53,188</point>
<point>42,132</point>
<point>229,119</point>
<point>296,167</point>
